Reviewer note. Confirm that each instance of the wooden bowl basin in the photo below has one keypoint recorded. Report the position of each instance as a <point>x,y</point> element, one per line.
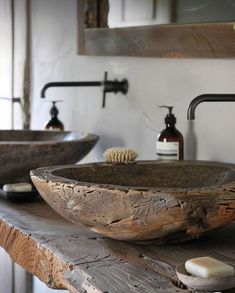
<point>150,200</point>
<point>23,150</point>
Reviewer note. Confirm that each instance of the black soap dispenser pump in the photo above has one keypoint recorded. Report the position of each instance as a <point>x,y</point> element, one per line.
<point>54,123</point>
<point>170,142</point>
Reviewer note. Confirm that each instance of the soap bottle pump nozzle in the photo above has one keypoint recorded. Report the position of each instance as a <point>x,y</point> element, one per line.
<point>170,117</point>
<point>54,123</point>
<point>54,110</point>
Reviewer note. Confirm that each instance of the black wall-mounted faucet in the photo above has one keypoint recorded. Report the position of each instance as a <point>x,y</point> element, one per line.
<point>109,86</point>
<point>207,98</point>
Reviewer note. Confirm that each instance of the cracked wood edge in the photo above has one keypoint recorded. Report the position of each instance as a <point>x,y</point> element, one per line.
<point>36,259</point>
<point>119,277</point>
<point>32,253</point>
<point>65,256</point>
<point>57,273</point>
<point>79,262</point>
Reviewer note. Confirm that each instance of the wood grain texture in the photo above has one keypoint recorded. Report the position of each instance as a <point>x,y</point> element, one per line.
<point>67,256</point>
<point>153,201</point>
<point>208,40</point>
<point>81,24</point>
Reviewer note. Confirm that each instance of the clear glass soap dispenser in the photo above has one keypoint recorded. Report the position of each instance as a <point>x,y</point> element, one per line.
<point>54,123</point>
<point>170,142</point>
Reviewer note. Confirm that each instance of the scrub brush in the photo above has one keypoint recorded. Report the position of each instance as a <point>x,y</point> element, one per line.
<point>120,155</point>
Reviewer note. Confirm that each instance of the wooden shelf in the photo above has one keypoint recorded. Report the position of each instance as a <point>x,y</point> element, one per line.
<point>195,40</point>
<point>203,40</point>
<point>66,256</point>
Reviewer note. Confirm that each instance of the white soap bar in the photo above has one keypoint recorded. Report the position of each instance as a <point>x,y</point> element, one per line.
<point>18,187</point>
<point>208,267</point>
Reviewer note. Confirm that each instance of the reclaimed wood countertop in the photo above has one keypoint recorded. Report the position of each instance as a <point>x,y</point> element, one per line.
<point>66,256</point>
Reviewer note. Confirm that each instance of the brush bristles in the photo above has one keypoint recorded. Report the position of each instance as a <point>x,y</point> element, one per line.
<point>120,155</point>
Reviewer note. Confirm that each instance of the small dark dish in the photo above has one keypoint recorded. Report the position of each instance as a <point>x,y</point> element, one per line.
<point>17,196</point>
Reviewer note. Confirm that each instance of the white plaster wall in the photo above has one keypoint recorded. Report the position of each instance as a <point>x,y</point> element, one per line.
<point>134,120</point>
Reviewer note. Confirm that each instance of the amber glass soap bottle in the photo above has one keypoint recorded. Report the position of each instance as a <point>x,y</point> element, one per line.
<point>170,142</point>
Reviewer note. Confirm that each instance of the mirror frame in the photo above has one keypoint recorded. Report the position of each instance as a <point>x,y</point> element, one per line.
<point>198,40</point>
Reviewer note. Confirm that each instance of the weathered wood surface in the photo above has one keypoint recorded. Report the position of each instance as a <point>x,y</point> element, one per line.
<point>67,256</point>
<point>205,40</point>
<point>157,201</point>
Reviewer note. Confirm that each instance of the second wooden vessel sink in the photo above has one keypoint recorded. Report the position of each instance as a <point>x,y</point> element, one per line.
<point>23,150</point>
<point>157,201</point>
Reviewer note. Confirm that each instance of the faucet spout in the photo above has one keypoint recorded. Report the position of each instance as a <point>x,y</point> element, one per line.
<point>207,98</point>
<point>109,86</point>
<point>68,84</point>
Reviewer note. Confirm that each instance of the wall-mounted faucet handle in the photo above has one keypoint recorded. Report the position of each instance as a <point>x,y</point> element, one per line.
<point>114,86</point>
<point>109,86</point>
<point>13,100</point>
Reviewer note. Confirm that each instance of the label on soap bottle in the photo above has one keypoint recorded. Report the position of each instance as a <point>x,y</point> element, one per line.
<point>167,150</point>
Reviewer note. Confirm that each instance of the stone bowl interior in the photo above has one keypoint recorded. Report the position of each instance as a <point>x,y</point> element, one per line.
<point>156,201</point>
<point>157,176</point>
<point>23,150</point>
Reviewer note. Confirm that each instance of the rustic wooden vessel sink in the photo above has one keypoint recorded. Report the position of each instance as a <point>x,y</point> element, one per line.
<point>23,150</point>
<point>150,200</point>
